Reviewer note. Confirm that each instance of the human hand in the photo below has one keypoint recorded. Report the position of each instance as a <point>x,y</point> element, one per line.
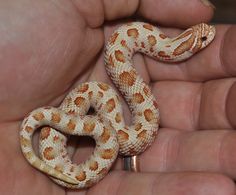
<point>48,48</point>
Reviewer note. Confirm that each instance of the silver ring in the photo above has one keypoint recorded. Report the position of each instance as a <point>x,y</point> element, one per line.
<point>131,163</point>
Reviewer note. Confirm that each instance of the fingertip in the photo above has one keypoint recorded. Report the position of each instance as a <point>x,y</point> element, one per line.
<point>177,13</point>
<point>208,3</point>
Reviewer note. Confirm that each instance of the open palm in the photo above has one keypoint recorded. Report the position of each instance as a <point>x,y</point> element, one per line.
<point>48,47</point>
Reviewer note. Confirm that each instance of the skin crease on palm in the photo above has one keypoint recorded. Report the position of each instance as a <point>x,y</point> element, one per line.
<point>48,47</point>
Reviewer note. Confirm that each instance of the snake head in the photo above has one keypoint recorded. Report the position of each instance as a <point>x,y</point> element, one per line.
<point>191,41</point>
<point>203,35</point>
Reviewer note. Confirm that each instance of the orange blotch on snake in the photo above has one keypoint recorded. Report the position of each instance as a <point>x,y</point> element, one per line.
<point>152,40</point>
<point>29,129</point>
<point>123,43</point>
<point>119,55</point>
<point>79,101</point>
<point>148,27</point>
<point>56,118</point>
<point>105,135</point>
<point>45,132</point>
<point>111,61</point>
<point>103,86</point>
<point>138,98</point>
<point>88,127</point>
<point>48,153</point>
<point>128,78</point>
<point>133,32</point>
<point>93,166</point>
<point>90,94</point>
<point>113,38</point>
<point>183,47</point>
<point>56,138</point>
<point>83,88</point>
<point>142,134</point>
<point>123,135</point>
<point>149,115</point>
<point>38,116</point>
<point>162,36</point>
<point>70,112</point>
<point>118,117</point>
<point>71,125</point>
<point>100,94</point>
<point>107,153</point>
<point>142,44</point>
<point>110,105</point>
<point>59,168</point>
<point>138,126</point>
<point>81,176</point>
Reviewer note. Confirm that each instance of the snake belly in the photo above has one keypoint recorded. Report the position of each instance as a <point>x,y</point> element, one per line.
<point>107,127</point>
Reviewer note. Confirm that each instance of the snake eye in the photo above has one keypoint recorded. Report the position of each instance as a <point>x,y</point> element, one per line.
<point>203,38</point>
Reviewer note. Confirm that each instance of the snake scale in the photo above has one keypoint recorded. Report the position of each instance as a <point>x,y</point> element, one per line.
<point>107,127</point>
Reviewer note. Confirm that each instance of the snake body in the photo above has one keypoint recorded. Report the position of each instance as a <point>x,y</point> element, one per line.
<point>107,127</point>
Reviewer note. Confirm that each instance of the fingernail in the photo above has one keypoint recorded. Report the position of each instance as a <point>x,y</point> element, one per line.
<point>208,3</point>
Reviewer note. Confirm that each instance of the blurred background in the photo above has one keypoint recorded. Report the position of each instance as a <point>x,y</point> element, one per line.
<point>225,11</point>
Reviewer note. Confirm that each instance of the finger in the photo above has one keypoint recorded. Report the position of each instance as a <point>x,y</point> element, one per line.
<point>175,13</point>
<point>173,150</point>
<point>165,184</point>
<point>194,106</point>
<point>215,61</point>
<point>181,13</point>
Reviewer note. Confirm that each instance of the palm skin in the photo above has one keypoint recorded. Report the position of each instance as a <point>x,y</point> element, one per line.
<point>49,47</point>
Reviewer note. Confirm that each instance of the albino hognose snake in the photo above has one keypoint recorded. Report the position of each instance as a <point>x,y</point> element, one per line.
<point>108,129</point>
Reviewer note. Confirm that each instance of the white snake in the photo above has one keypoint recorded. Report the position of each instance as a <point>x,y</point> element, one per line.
<point>108,129</point>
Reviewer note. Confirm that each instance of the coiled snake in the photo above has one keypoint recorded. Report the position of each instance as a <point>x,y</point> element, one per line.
<point>107,127</point>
